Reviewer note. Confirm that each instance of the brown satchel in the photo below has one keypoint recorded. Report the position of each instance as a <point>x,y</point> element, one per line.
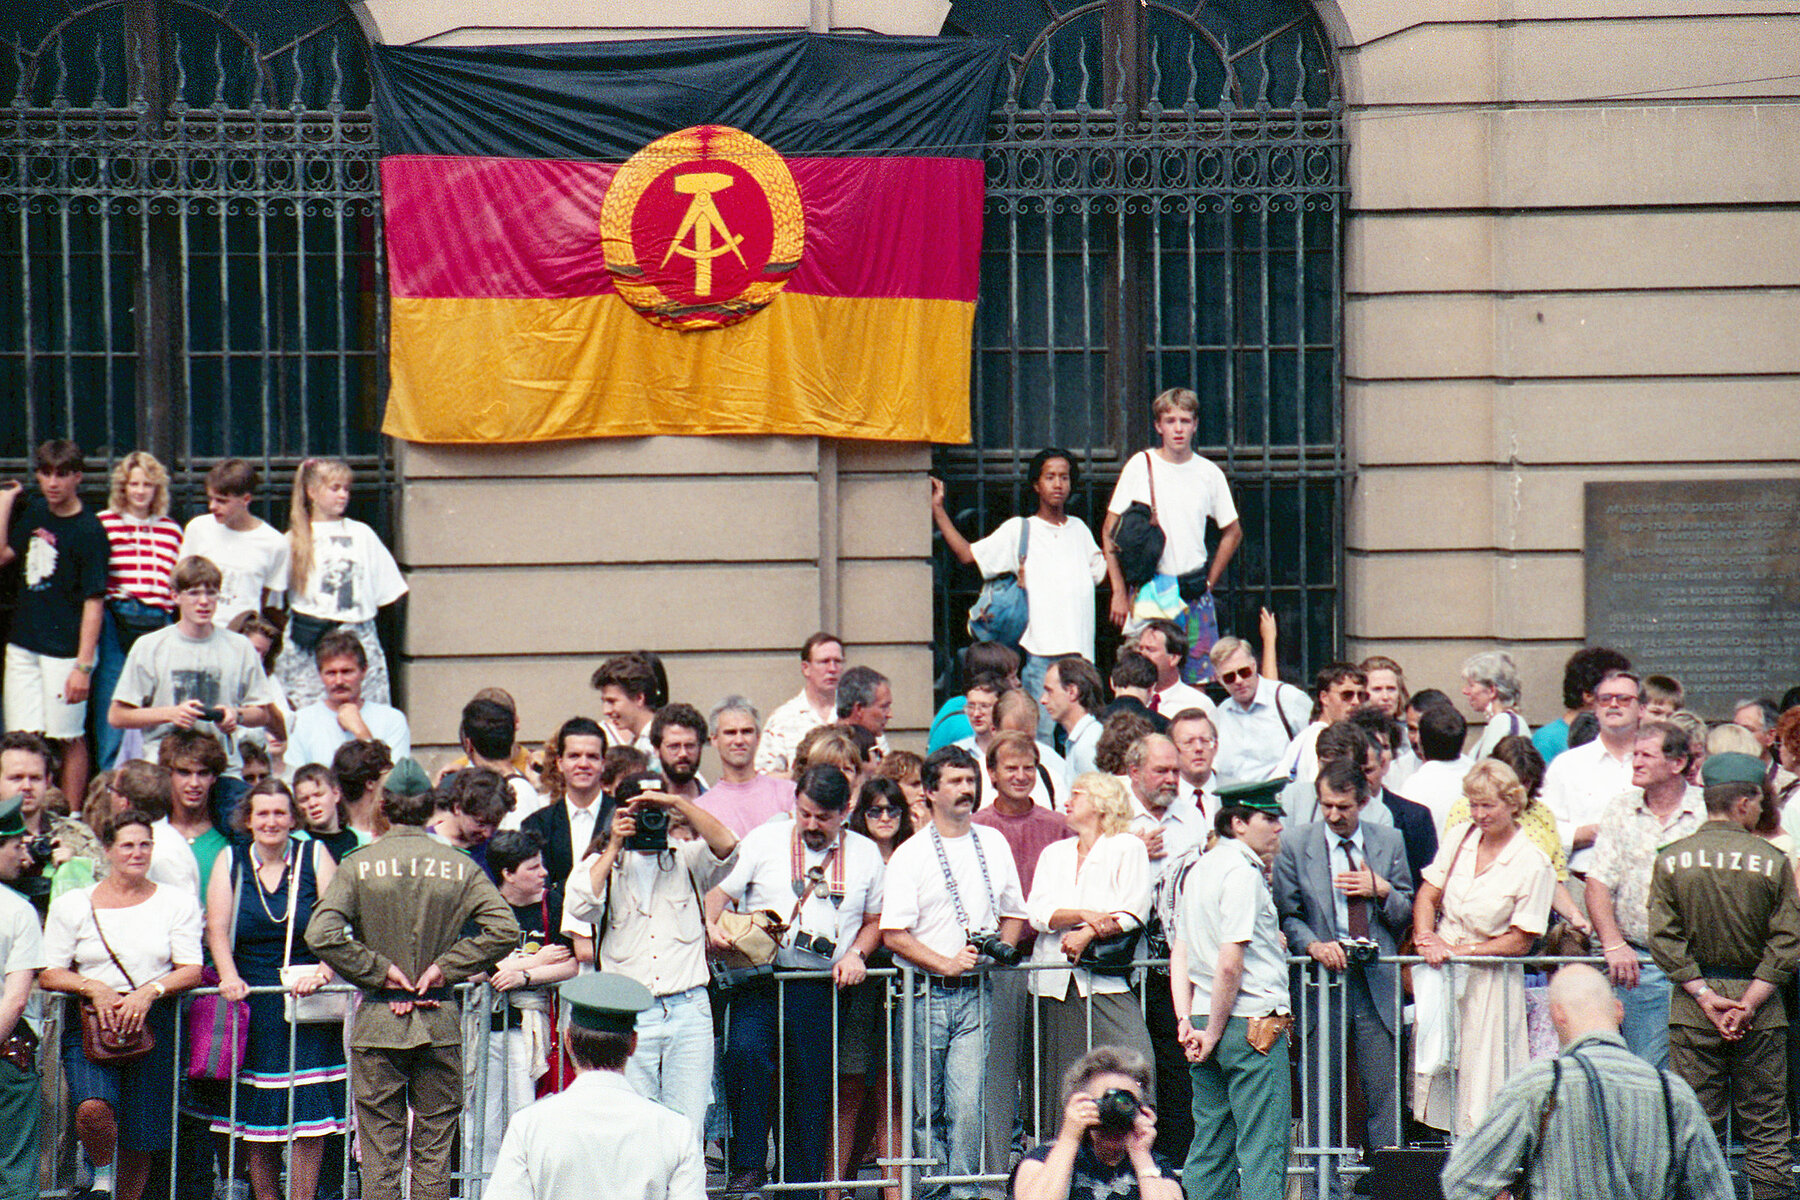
<point>105,1047</point>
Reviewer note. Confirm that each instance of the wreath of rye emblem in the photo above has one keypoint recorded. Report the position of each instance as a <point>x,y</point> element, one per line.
<point>702,228</point>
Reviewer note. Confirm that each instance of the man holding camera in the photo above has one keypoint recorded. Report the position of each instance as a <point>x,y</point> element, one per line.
<point>192,674</point>
<point>641,894</point>
<point>825,883</point>
<point>1345,895</point>
<point>953,901</point>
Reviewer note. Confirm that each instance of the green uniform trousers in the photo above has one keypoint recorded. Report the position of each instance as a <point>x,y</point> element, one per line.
<point>1242,1108</point>
<point>20,1107</point>
<point>427,1079</point>
<point>1745,1081</point>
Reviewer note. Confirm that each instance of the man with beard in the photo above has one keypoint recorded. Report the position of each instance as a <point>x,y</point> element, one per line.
<point>825,881</point>
<point>678,735</point>
<point>952,894</point>
<point>1174,832</point>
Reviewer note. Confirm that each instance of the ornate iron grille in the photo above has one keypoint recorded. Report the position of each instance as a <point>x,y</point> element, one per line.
<point>1165,189</point>
<point>188,239</point>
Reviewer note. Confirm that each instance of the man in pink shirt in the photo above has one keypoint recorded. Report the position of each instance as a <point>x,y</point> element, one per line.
<point>743,797</point>
<point>1012,763</point>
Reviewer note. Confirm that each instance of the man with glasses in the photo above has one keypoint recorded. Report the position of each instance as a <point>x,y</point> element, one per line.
<point>1258,720</point>
<point>1339,689</point>
<point>1583,780</point>
<point>1196,741</point>
<point>192,674</point>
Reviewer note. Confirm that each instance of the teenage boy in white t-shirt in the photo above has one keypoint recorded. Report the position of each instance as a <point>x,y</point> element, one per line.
<point>250,553</point>
<point>951,882</point>
<point>192,674</point>
<point>1062,565</point>
<point>1190,490</point>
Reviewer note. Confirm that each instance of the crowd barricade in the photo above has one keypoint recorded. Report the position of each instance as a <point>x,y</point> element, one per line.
<point>892,1081</point>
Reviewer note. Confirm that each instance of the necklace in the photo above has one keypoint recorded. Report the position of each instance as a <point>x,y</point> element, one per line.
<point>262,896</point>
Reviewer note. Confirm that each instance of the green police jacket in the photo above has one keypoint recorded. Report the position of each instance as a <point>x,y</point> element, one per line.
<point>1723,909</point>
<point>405,899</point>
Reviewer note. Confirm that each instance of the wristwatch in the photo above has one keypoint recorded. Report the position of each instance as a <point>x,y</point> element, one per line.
<point>85,668</point>
<point>161,991</point>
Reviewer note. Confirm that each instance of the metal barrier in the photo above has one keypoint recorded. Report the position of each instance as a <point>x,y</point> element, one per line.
<point>900,1078</point>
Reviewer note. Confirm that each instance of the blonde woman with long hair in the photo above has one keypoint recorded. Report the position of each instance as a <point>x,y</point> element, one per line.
<point>1091,887</point>
<point>340,575</point>
<point>143,547</point>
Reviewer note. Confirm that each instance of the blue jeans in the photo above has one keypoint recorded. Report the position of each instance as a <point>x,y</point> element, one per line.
<point>1031,679</point>
<point>109,665</point>
<point>761,1021</point>
<point>949,1063</point>
<point>674,1060</point>
<point>1646,1024</point>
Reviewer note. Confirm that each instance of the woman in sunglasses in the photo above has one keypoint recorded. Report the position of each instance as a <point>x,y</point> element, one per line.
<point>883,816</point>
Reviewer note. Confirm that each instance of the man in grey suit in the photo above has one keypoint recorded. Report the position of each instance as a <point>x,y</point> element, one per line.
<point>1340,884</point>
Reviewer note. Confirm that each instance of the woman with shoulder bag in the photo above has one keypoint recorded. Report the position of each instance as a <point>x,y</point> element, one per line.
<point>123,949</point>
<point>1090,897</point>
<point>259,900</point>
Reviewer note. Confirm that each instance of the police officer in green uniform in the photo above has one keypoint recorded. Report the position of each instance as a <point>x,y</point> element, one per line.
<point>1725,928</point>
<point>21,957</point>
<point>406,918</point>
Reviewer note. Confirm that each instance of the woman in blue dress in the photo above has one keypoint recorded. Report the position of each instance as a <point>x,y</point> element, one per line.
<point>256,917</point>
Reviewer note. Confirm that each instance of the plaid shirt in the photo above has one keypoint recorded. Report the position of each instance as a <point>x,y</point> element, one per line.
<point>1625,849</point>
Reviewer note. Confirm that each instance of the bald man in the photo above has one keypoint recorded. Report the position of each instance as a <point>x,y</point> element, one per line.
<point>1613,1124</point>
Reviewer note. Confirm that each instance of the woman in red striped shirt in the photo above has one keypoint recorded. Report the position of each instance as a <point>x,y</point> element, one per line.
<point>139,597</point>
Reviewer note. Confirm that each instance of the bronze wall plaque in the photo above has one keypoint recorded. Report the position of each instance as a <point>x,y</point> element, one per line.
<point>1699,580</point>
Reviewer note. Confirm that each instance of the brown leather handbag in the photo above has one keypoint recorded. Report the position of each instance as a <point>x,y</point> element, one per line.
<point>105,1047</point>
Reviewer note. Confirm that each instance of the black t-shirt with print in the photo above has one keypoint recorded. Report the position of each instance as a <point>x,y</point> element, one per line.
<point>62,563</point>
<point>1094,1180</point>
<point>532,938</point>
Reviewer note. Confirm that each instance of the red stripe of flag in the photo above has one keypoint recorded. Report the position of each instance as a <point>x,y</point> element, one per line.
<point>518,228</point>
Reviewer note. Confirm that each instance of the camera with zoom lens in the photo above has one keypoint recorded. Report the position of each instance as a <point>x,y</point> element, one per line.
<point>1118,1110</point>
<point>996,947</point>
<point>1361,950</point>
<point>652,833</point>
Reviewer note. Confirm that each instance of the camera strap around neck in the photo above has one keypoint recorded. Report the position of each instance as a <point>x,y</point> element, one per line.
<point>962,914</point>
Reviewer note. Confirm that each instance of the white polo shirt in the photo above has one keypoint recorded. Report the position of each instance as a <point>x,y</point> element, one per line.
<point>916,897</point>
<point>764,878</point>
<point>1577,788</point>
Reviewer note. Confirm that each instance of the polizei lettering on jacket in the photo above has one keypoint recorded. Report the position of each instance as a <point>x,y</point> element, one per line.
<point>394,867</point>
<point>1721,860</point>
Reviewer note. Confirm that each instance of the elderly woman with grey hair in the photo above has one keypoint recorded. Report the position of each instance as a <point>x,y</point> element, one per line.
<point>1491,686</point>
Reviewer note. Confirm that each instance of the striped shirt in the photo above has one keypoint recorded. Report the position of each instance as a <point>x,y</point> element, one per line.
<point>1577,1157</point>
<point>142,564</point>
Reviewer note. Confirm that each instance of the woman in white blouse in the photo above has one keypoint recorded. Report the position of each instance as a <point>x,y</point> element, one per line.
<point>1093,886</point>
<point>130,947</point>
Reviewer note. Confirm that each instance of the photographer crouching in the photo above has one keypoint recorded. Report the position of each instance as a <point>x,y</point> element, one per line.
<point>641,892</point>
<point>1104,1146</point>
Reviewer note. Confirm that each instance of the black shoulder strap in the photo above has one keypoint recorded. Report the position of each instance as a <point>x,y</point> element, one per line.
<point>1521,1188</point>
<point>1287,726</point>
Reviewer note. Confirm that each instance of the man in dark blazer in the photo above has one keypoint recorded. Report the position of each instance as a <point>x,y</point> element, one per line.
<point>1413,820</point>
<point>580,749</point>
<point>1339,882</point>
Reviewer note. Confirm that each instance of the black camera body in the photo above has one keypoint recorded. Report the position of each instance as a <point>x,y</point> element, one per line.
<point>996,947</point>
<point>1361,950</point>
<point>214,714</point>
<point>1118,1110</point>
<point>41,848</point>
<point>652,833</point>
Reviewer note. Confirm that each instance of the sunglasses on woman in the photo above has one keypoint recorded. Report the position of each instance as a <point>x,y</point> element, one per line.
<point>885,812</point>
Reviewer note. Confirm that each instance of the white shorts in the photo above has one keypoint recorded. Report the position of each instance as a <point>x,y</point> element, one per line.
<point>34,691</point>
